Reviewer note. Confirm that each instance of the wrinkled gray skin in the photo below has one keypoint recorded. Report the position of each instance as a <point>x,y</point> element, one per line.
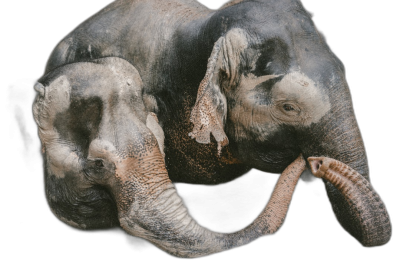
<point>255,75</point>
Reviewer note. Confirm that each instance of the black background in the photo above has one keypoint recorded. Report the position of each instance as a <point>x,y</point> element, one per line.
<point>363,34</point>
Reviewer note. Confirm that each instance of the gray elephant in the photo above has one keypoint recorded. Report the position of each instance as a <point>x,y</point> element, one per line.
<point>146,93</point>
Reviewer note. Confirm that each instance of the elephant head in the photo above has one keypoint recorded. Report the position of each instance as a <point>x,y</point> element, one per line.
<point>273,89</point>
<point>104,164</point>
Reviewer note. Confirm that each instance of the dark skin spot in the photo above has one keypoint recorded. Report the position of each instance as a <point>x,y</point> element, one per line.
<point>263,95</point>
<point>80,123</point>
<point>274,58</point>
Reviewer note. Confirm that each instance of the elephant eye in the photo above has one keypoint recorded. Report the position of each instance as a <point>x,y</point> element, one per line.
<point>288,107</point>
<point>223,74</point>
<point>99,163</point>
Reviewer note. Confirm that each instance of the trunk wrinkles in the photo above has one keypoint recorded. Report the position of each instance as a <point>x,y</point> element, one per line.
<point>163,219</point>
<point>371,219</point>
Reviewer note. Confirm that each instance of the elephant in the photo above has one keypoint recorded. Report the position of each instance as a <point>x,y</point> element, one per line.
<point>147,93</point>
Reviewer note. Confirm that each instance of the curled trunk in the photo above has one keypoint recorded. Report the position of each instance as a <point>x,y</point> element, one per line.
<point>370,220</point>
<point>356,205</point>
<point>156,212</point>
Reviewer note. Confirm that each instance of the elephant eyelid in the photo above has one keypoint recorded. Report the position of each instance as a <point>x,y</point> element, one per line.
<point>99,163</point>
<point>95,170</point>
<point>95,163</point>
<point>289,108</point>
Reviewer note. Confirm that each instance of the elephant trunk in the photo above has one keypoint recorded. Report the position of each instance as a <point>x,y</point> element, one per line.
<point>356,205</point>
<point>150,208</point>
<point>373,227</point>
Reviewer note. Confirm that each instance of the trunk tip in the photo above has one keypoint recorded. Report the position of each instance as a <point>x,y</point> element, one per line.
<point>318,165</point>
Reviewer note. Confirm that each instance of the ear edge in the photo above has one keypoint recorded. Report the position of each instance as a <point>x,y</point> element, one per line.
<point>52,99</point>
<point>204,114</point>
<point>39,88</point>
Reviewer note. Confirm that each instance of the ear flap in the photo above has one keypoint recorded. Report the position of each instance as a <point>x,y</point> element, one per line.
<point>51,100</point>
<point>209,112</point>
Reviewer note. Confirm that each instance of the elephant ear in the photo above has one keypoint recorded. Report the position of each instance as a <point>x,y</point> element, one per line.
<point>209,112</point>
<point>50,100</point>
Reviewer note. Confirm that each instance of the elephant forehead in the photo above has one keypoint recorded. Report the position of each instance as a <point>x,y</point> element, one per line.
<point>301,89</point>
<point>126,83</point>
<point>296,83</point>
<point>106,83</point>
